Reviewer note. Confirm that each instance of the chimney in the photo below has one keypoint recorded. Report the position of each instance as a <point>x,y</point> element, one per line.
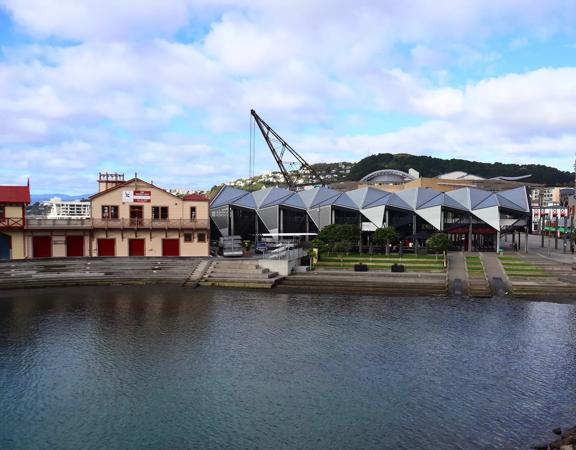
<point>109,180</point>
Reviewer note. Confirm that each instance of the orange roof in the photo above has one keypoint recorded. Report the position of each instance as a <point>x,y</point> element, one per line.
<point>195,198</point>
<point>15,194</point>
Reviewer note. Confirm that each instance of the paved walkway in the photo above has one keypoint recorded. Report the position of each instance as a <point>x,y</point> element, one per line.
<point>457,271</point>
<point>548,251</point>
<point>493,269</point>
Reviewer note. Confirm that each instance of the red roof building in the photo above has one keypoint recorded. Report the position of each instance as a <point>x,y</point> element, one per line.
<point>195,198</point>
<point>15,195</point>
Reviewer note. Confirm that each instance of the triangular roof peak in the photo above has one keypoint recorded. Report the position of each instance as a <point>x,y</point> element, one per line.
<point>129,182</point>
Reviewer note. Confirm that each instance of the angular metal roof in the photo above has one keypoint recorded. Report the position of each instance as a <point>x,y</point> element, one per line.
<point>227,196</point>
<point>372,203</point>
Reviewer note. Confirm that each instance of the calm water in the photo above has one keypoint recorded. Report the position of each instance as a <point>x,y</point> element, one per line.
<point>171,368</point>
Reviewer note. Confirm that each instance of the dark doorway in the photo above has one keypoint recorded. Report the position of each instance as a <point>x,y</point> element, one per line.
<point>42,246</point>
<point>5,243</point>
<point>74,245</point>
<point>170,247</point>
<point>136,247</point>
<point>136,215</point>
<point>106,247</point>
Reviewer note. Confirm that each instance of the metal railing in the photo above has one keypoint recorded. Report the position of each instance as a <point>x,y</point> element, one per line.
<point>284,253</point>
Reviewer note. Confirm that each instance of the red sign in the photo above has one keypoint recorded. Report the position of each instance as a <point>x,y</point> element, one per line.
<point>142,196</point>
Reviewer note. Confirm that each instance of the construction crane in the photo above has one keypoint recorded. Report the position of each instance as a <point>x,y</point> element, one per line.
<point>279,147</point>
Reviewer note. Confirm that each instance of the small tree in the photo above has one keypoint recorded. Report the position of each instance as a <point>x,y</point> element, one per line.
<point>343,235</point>
<point>385,236</point>
<point>439,242</point>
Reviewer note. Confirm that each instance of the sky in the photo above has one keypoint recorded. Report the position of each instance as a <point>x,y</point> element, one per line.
<point>164,88</point>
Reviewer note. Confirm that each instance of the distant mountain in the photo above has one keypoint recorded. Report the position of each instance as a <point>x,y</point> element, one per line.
<point>429,166</point>
<point>64,197</point>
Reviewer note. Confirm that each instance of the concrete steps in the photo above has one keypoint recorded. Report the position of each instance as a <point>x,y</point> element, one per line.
<point>479,288</point>
<point>95,271</point>
<point>478,284</point>
<point>240,274</point>
<point>558,280</point>
<point>197,274</point>
<point>373,284</point>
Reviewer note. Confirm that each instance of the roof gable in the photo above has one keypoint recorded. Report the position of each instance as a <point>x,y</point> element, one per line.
<point>124,185</point>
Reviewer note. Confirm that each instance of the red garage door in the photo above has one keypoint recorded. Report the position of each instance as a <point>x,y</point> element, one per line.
<point>170,247</point>
<point>106,247</point>
<point>74,245</point>
<point>136,247</point>
<point>42,246</point>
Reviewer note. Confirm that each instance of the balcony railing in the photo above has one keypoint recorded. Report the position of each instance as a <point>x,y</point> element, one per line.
<point>11,222</point>
<point>83,224</point>
<point>198,224</point>
<point>80,224</point>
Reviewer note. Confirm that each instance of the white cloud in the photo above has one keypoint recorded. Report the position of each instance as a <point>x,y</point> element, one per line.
<point>528,116</point>
<point>98,19</point>
<point>304,65</point>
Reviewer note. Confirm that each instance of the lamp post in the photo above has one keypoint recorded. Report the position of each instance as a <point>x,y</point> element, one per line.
<point>565,227</point>
<point>541,219</point>
<point>556,230</point>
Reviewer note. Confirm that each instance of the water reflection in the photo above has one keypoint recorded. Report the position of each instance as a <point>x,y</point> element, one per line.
<point>156,367</point>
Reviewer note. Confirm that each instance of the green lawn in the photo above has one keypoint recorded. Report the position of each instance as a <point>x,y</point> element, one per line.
<point>516,267</point>
<point>365,256</point>
<point>410,265</point>
<point>474,267</point>
<point>470,259</point>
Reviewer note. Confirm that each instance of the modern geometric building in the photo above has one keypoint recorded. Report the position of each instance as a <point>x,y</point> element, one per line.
<point>390,176</point>
<point>473,217</point>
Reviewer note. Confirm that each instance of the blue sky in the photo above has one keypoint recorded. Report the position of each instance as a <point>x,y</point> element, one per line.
<point>164,87</point>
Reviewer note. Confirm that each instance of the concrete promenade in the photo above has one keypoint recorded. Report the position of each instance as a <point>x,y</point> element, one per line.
<point>549,251</point>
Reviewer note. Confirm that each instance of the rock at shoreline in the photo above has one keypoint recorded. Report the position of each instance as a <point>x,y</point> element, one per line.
<point>566,441</point>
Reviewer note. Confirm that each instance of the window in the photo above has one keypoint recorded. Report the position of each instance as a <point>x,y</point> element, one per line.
<point>159,212</point>
<point>2,213</point>
<point>201,237</point>
<point>109,212</point>
<point>187,237</point>
<point>192,213</point>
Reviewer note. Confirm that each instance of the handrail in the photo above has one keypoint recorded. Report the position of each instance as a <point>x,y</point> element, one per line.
<point>285,253</point>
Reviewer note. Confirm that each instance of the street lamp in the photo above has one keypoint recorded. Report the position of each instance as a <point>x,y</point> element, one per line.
<point>541,195</point>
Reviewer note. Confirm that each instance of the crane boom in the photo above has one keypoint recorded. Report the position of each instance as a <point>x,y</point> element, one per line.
<point>279,147</point>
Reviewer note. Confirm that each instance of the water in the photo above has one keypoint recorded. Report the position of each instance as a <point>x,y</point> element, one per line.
<point>172,368</point>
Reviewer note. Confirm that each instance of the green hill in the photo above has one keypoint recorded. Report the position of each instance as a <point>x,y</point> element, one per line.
<point>429,166</point>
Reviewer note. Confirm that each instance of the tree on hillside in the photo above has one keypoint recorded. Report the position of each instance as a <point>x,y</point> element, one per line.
<point>337,237</point>
<point>439,242</point>
<point>385,236</point>
<point>431,167</point>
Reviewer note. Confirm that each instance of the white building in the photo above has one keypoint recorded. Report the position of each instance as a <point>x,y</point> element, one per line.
<point>67,210</point>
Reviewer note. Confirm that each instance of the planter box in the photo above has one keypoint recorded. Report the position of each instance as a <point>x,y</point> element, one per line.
<point>397,268</point>
<point>360,268</point>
